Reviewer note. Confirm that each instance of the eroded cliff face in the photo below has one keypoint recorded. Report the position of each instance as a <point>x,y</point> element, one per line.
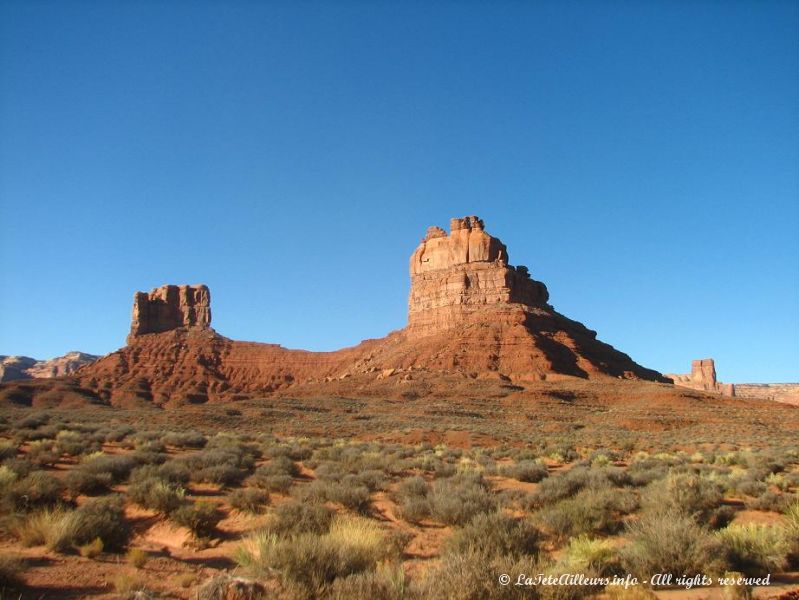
<point>471,314</point>
<point>461,273</point>
<point>170,307</point>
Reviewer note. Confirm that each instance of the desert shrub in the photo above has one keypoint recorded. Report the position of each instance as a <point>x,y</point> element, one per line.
<point>792,531</point>
<point>349,495</point>
<point>279,465</point>
<point>526,470</point>
<point>685,492</point>
<point>7,479</point>
<point>172,472</point>
<point>200,517</point>
<point>554,489</point>
<point>185,439</point>
<point>250,500</point>
<point>273,483</point>
<point>91,549</point>
<point>292,451</point>
<point>22,467</point>
<point>668,542</point>
<point>495,534</point>
<point>293,518</point>
<point>137,557</point>
<point>771,501</point>
<point>11,570</point>
<point>37,490</point>
<point>585,554</point>
<point>312,561</point>
<point>387,582</point>
<point>224,475</point>
<point>41,527</point>
<point>8,449</point>
<point>228,587</point>
<point>589,512</point>
<point>117,433</point>
<point>79,481</point>
<point>456,500</point>
<point>43,452</point>
<point>754,549</point>
<point>157,494</point>
<point>102,518</point>
<point>75,443</point>
<point>471,576</point>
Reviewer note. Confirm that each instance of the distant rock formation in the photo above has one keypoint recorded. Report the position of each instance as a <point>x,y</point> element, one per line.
<point>170,307</point>
<point>23,367</point>
<point>779,392</point>
<point>463,272</point>
<point>703,377</point>
<point>470,314</point>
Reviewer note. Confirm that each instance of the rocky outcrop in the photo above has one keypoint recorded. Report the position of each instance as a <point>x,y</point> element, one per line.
<point>779,392</point>
<point>461,273</point>
<point>471,315</point>
<point>171,307</point>
<point>23,367</point>
<point>703,377</point>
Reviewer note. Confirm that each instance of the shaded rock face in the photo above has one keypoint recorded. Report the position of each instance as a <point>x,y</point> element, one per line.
<point>171,307</point>
<point>461,273</point>
<point>703,377</point>
<point>23,367</point>
<point>471,315</point>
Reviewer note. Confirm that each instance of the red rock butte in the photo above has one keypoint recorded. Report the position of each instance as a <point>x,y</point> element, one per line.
<point>470,314</point>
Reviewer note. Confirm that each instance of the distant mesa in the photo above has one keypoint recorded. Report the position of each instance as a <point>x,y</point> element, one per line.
<point>14,368</point>
<point>471,314</point>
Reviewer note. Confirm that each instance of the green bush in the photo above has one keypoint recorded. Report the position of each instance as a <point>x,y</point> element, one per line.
<point>495,534</point>
<point>157,494</point>
<point>293,518</point>
<point>457,500</point>
<point>588,555</point>
<point>669,542</point>
<point>201,518</point>
<point>312,561</point>
<point>249,500</point>
<point>526,470</point>
<point>352,496</point>
<point>589,512</point>
<point>102,518</point>
<point>37,490</point>
<point>754,549</point>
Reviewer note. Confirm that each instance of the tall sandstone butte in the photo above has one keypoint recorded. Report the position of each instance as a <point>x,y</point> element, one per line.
<point>470,314</point>
<point>461,273</point>
<point>170,307</point>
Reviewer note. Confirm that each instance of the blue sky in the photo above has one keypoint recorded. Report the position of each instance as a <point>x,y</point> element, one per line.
<point>642,158</point>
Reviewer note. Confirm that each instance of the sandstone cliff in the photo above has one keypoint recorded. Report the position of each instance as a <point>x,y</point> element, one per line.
<point>471,314</point>
<point>170,307</point>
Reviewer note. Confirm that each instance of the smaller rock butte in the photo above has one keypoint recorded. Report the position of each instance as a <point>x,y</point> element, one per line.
<point>170,307</point>
<point>703,377</point>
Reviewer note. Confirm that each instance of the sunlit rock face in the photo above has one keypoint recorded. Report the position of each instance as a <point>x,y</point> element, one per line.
<point>463,272</point>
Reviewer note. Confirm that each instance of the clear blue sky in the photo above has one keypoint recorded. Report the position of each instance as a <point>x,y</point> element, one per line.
<point>642,158</point>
